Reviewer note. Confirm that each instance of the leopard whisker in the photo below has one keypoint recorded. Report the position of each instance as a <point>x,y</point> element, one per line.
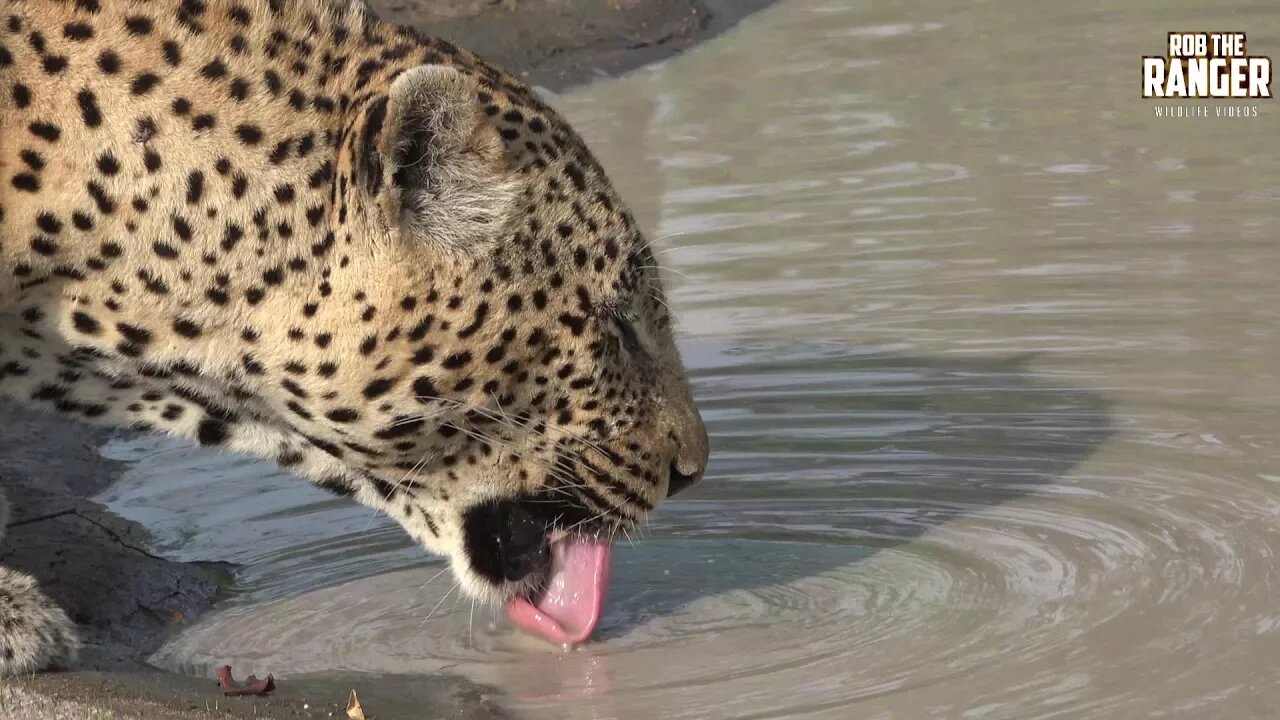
<point>444,597</point>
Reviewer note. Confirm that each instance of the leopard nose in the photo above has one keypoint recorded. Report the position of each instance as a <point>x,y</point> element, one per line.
<point>686,434</point>
<point>678,481</point>
<point>690,461</point>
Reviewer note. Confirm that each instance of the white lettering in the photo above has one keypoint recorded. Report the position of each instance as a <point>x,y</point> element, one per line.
<point>1153,77</point>
<point>1239,77</point>
<point>1217,77</point>
<point>1188,45</point>
<point>1191,71</point>
<point>1260,77</point>
<point>1235,44</point>
<point>1176,83</point>
<point>1197,77</point>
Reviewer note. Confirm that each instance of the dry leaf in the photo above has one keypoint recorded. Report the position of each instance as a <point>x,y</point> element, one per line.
<point>354,711</point>
<point>251,686</point>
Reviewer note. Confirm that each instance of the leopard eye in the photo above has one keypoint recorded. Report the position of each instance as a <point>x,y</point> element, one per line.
<point>626,328</point>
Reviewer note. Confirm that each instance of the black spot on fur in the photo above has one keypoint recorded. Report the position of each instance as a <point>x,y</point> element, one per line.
<point>212,431</point>
<point>109,62</point>
<point>107,164</point>
<point>172,53</point>
<point>424,389</point>
<point>138,25</point>
<point>186,328</point>
<point>26,182</point>
<point>45,131</point>
<point>457,360</point>
<point>372,161</point>
<point>343,415</point>
<point>54,64</point>
<point>337,485</point>
<point>164,250</point>
<point>85,323</point>
<point>213,70</point>
<point>401,427</point>
<point>377,388</point>
<point>77,31</point>
<point>49,223</point>
<point>249,134</point>
<point>144,83</point>
<point>195,186</point>
<point>44,245</point>
<point>89,110</point>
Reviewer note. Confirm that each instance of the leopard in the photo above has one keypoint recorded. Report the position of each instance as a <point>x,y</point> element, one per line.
<point>290,230</point>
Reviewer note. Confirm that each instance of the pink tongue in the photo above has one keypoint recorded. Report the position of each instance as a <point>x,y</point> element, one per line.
<point>568,610</point>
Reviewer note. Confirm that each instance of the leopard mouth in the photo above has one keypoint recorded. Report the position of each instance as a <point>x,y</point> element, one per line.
<point>567,606</point>
<point>564,576</point>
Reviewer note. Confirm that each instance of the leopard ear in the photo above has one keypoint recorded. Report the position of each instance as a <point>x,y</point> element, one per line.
<point>442,176</point>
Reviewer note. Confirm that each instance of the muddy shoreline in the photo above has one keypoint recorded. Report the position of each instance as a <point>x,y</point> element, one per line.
<point>127,600</point>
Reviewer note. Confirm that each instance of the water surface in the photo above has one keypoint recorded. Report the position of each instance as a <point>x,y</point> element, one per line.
<point>987,353</point>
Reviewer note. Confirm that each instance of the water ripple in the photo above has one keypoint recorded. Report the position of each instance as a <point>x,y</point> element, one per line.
<point>989,376</point>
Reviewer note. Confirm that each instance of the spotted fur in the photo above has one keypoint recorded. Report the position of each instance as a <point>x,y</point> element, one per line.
<point>287,229</point>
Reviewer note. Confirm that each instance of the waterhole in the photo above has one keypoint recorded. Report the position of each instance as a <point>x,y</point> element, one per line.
<point>987,353</point>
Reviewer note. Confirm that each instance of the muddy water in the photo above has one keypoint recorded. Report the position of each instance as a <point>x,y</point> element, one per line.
<point>988,356</point>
